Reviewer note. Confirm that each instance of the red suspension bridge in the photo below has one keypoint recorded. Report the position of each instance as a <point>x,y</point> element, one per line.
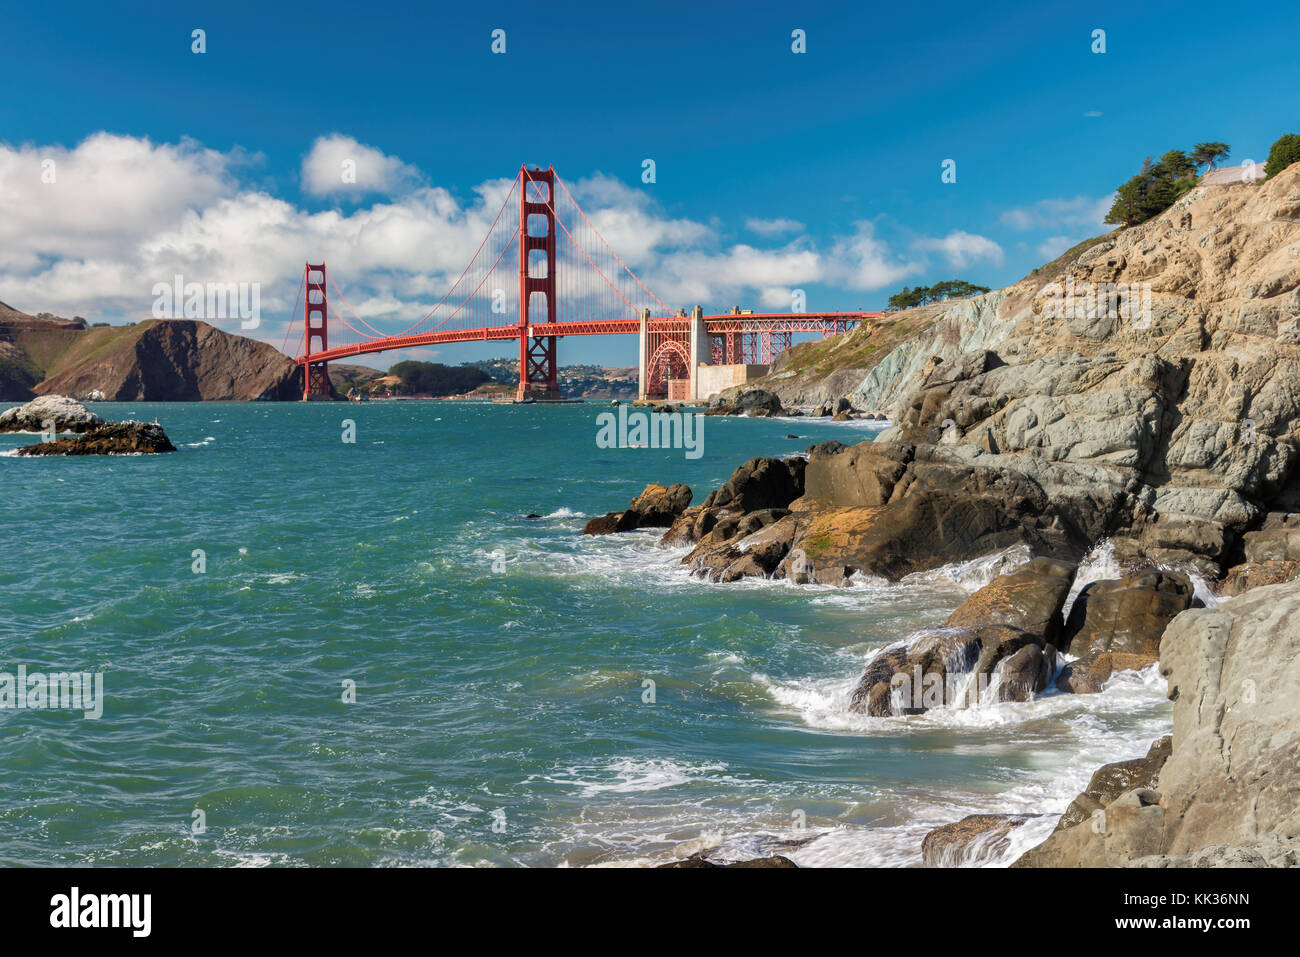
<point>567,281</point>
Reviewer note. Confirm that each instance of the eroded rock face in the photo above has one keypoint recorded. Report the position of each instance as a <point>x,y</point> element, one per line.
<point>67,415</point>
<point>1232,780</point>
<point>1126,615</point>
<point>657,506</point>
<point>110,438</point>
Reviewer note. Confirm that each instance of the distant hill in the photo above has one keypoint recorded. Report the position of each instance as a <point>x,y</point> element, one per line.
<point>160,360</point>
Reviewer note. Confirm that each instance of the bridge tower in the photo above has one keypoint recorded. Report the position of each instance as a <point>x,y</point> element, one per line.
<point>315,320</point>
<point>538,372</point>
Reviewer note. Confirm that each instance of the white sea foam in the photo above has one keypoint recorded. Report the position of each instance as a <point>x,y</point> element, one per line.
<point>565,513</point>
<point>629,775</point>
<point>1100,564</point>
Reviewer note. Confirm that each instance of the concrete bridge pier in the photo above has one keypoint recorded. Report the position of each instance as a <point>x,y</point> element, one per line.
<point>701,351</point>
<point>642,344</point>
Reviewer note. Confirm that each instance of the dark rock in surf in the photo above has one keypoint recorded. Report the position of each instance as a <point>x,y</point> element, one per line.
<point>657,506</point>
<point>111,438</point>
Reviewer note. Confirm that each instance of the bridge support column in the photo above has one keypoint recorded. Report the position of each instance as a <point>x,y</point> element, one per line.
<point>700,352</point>
<point>315,320</point>
<point>642,359</point>
<point>538,373</point>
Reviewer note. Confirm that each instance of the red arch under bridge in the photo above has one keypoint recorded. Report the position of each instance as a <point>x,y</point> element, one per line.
<point>565,280</point>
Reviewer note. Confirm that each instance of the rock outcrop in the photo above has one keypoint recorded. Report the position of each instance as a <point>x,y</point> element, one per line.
<point>49,411</point>
<point>974,839</point>
<point>1138,389</point>
<point>745,400</point>
<point>1229,791</point>
<point>658,506</point>
<point>110,438</point>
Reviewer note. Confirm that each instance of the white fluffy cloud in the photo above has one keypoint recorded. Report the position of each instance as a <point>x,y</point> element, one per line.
<point>961,249</point>
<point>338,164</point>
<point>121,214</point>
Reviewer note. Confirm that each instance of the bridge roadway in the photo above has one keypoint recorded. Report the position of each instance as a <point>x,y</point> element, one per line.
<point>823,322</point>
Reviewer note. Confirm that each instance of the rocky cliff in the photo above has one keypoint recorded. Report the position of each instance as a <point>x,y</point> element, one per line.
<point>161,360</point>
<point>1140,389</point>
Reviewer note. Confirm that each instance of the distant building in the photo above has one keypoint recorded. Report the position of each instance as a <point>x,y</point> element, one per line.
<point>1233,175</point>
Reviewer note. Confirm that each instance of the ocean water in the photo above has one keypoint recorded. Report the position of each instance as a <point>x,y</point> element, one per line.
<point>500,662</point>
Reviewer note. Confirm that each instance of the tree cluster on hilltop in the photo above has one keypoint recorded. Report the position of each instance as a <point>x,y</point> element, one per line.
<point>924,295</point>
<point>1159,183</point>
<point>434,378</point>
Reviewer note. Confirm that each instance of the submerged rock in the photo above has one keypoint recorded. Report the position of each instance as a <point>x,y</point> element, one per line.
<point>1089,674</point>
<point>111,438</point>
<point>973,839</point>
<point>67,415</point>
<point>699,861</point>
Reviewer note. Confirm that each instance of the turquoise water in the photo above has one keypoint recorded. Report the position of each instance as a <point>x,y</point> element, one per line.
<point>498,661</point>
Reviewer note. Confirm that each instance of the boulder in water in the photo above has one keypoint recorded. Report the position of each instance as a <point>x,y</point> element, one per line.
<point>658,506</point>
<point>111,438</point>
<point>1089,674</point>
<point>1029,598</point>
<point>975,838</point>
<point>66,415</point>
<point>1127,614</point>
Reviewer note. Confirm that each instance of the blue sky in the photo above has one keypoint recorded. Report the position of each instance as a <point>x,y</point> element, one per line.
<point>774,169</point>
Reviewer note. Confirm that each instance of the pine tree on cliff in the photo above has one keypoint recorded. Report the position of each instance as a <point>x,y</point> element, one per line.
<point>1207,154</point>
